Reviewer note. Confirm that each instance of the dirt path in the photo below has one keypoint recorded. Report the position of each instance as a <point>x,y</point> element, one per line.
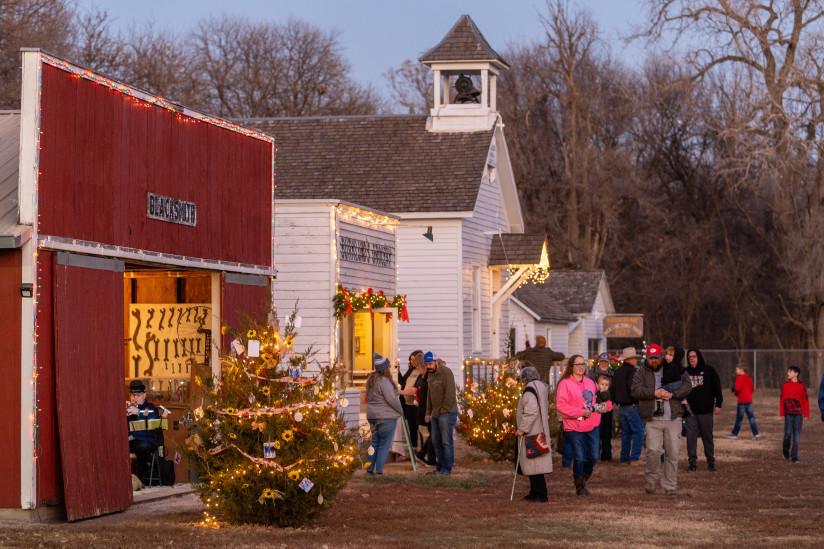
<point>756,499</point>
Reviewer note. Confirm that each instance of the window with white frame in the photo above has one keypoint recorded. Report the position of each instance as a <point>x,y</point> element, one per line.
<point>476,310</point>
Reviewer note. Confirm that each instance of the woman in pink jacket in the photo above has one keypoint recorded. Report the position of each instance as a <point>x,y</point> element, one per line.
<point>575,400</point>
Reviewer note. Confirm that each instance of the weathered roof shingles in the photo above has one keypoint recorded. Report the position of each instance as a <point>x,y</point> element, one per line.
<point>463,42</point>
<point>389,163</point>
<point>516,249</point>
<point>573,292</point>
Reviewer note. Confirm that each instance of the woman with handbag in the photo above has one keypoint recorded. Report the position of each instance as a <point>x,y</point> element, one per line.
<point>532,422</point>
<point>575,400</point>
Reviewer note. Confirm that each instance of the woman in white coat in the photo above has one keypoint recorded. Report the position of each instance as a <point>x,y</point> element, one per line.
<point>532,418</point>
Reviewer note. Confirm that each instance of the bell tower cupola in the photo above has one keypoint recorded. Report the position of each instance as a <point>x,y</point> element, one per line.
<point>466,68</point>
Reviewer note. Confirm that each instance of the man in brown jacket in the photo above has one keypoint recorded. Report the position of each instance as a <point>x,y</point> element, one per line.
<point>441,410</point>
<point>663,432</point>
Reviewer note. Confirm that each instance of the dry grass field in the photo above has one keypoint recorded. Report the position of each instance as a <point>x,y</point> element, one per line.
<point>755,500</point>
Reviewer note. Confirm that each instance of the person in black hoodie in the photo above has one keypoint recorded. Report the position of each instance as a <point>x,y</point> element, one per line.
<point>705,400</point>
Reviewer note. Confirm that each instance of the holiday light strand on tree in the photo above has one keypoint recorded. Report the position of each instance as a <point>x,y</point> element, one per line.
<point>487,418</point>
<point>347,302</point>
<point>290,452</point>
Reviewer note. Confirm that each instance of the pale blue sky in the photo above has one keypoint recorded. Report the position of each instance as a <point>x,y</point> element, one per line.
<point>378,35</point>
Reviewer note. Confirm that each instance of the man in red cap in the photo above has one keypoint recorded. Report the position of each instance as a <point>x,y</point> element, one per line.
<point>663,432</point>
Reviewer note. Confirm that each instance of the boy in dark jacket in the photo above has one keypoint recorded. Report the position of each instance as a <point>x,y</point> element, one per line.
<point>794,408</point>
<point>705,400</point>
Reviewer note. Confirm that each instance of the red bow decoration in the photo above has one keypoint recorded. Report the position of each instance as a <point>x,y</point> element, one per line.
<point>348,310</point>
<point>404,312</point>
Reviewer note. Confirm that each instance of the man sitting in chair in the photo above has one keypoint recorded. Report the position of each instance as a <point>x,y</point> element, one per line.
<point>141,442</point>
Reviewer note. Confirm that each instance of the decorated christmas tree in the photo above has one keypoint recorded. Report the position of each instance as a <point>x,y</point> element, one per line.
<point>268,443</point>
<point>487,417</point>
<point>488,412</point>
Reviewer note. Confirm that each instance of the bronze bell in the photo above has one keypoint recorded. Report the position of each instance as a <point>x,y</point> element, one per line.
<point>467,92</point>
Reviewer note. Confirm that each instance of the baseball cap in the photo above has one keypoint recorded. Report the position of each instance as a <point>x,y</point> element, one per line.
<point>430,356</point>
<point>654,351</point>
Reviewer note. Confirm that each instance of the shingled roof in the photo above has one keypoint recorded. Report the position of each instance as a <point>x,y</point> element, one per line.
<point>516,249</point>
<point>389,163</point>
<point>573,291</point>
<point>542,303</point>
<point>463,42</point>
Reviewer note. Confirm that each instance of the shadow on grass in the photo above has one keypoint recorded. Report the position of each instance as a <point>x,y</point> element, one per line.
<point>440,481</point>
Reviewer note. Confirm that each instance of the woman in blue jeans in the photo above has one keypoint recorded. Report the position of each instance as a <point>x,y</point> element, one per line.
<point>575,402</point>
<point>382,411</point>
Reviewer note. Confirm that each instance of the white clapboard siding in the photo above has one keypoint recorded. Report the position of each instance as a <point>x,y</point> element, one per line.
<point>488,217</point>
<point>304,233</point>
<point>429,275</point>
<point>524,324</point>
<point>307,236</point>
<point>358,276</point>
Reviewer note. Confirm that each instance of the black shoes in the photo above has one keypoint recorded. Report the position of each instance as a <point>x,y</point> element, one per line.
<point>692,468</point>
<point>711,468</point>
<point>659,409</point>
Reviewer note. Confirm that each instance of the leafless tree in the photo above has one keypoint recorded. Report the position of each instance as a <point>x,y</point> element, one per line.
<point>412,86</point>
<point>97,47</point>
<point>775,46</point>
<point>566,112</point>
<point>265,69</point>
<point>45,24</point>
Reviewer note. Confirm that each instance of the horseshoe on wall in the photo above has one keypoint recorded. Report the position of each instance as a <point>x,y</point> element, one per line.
<point>162,314</point>
<point>136,314</point>
<point>149,338</point>
<point>166,341</point>
<point>151,316</point>
<point>136,359</point>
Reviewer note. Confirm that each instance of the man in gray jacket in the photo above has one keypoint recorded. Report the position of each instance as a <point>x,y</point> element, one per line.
<point>663,432</point>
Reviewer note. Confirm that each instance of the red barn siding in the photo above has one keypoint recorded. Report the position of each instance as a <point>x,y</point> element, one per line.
<point>237,300</point>
<point>10,304</point>
<point>93,435</point>
<point>98,164</point>
<point>49,467</point>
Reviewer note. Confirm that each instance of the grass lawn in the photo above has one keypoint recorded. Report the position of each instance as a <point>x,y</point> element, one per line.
<point>757,499</point>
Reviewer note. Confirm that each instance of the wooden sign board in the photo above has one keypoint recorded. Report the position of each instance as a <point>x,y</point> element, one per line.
<point>630,326</point>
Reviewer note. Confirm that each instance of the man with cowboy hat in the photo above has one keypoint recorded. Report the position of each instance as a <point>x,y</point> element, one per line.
<point>632,428</point>
<point>141,442</point>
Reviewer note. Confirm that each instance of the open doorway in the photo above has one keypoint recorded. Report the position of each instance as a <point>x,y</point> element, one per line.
<point>362,334</point>
<point>167,338</point>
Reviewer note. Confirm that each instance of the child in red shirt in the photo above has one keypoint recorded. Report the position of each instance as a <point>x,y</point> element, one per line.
<point>794,408</point>
<point>743,390</point>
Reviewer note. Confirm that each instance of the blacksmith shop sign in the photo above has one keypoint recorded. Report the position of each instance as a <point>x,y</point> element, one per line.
<point>363,251</point>
<point>172,210</point>
<point>624,326</point>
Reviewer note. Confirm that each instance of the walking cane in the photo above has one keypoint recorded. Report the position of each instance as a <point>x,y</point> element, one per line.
<point>517,459</point>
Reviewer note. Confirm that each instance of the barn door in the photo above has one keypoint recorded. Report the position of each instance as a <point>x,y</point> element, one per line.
<point>241,295</point>
<point>88,323</point>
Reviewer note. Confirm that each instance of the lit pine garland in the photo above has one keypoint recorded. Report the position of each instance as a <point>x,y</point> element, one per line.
<point>347,302</point>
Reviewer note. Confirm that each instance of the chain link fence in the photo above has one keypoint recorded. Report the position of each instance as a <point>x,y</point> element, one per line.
<point>767,367</point>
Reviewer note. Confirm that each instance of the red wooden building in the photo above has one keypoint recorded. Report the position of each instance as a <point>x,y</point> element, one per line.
<point>131,228</point>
